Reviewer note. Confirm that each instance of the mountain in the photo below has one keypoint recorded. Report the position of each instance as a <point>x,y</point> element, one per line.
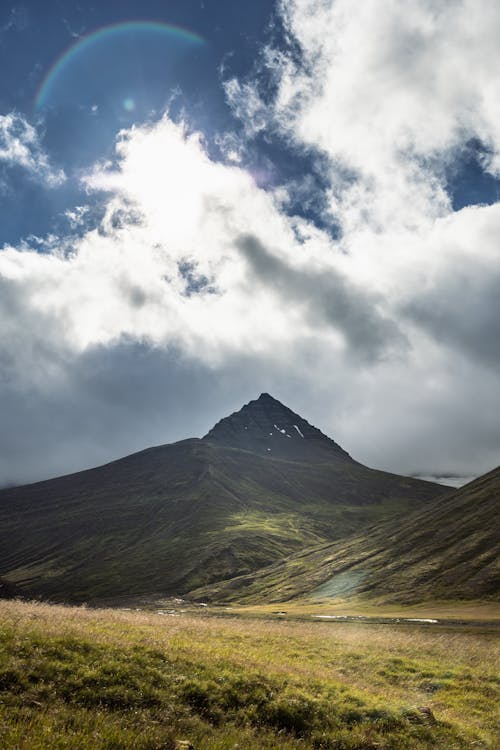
<point>448,550</point>
<point>269,428</point>
<point>262,484</point>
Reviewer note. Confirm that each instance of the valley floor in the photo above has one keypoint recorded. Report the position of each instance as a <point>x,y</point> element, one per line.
<point>480,613</point>
<point>81,678</point>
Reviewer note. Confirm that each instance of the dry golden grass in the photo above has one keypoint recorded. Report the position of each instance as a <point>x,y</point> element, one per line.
<point>454,672</point>
<point>443,610</point>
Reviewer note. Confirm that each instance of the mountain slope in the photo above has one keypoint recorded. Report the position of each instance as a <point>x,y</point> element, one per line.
<point>177,517</point>
<point>450,550</point>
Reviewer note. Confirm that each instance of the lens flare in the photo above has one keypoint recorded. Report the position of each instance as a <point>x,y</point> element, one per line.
<point>108,32</point>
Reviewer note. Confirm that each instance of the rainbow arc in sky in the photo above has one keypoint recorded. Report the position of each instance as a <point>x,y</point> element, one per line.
<point>86,43</point>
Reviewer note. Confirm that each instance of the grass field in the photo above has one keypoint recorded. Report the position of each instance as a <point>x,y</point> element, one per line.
<point>307,607</point>
<point>81,678</point>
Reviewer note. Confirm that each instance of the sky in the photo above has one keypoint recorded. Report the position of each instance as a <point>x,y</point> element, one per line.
<point>202,200</point>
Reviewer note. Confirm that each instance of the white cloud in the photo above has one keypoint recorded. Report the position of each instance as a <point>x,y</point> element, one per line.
<point>20,146</point>
<point>381,337</point>
<point>388,91</point>
<point>391,94</point>
<point>78,216</point>
<point>296,312</point>
<point>174,222</point>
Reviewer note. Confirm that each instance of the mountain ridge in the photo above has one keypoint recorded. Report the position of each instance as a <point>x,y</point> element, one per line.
<point>447,552</point>
<point>174,518</point>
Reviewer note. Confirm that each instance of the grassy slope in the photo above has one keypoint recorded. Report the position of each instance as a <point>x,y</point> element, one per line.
<point>173,518</point>
<point>83,679</point>
<point>447,551</point>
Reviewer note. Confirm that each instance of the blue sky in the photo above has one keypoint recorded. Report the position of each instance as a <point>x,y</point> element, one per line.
<point>86,102</point>
<point>206,199</point>
<point>84,107</point>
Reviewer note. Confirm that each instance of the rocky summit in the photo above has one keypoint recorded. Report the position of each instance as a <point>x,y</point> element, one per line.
<point>268,427</point>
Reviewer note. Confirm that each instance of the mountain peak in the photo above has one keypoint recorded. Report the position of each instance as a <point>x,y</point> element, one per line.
<point>268,427</point>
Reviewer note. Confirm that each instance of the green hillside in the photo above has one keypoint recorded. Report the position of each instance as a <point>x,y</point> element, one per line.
<point>174,518</point>
<point>447,550</point>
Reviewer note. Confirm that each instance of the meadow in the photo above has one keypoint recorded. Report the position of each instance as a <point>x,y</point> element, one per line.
<point>72,677</point>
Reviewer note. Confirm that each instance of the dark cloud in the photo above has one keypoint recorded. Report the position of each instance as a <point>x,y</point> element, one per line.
<point>462,310</point>
<point>329,299</point>
<point>105,403</point>
<point>112,401</point>
<point>29,340</point>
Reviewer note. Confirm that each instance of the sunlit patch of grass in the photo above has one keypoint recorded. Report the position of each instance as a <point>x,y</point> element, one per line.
<point>78,678</point>
<point>288,525</point>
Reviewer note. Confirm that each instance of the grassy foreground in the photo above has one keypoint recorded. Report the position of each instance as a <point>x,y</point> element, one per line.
<point>78,678</point>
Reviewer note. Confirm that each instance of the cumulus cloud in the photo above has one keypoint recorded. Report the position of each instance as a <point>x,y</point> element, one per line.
<point>327,299</point>
<point>391,95</point>
<point>458,300</point>
<point>176,224</point>
<point>197,281</point>
<point>191,257</point>
<point>388,92</point>
<point>20,147</point>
